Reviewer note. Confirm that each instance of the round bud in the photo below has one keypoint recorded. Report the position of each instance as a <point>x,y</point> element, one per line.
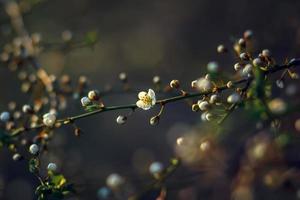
<point>257,62</point>
<point>203,105</point>
<point>244,56</point>
<point>229,84</point>
<point>266,53</point>
<point>4,116</point>
<point>154,120</point>
<point>214,99</point>
<point>114,181</point>
<point>156,168</point>
<point>52,167</point>
<point>34,149</point>
<point>248,34</point>
<point>237,66</point>
<point>233,98</point>
<point>156,80</point>
<point>208,116</point>
<point>194,84</point>
<point>49,119</point>
<point>247,70</point>
<point>93,95</point>
<point>213,67</point>
<point>242,42</point>
<point>174,84</point>
<point>27,109</point>
<point>85,101</point>
<point>221,49</point>
<point>123,76</point>
<point>195,107</point>
<point>121,119</point>
<point>17,157</point>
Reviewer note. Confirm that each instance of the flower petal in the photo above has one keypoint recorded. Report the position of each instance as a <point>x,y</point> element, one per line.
<point>151,93</point>
<point>142,105</point>
<point>142,94</point>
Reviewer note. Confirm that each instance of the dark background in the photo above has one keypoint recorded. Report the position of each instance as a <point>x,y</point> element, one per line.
<point>170,38</point>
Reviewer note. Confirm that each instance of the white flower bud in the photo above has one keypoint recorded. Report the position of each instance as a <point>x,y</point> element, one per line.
<point>266,53</point>
<point>49,119</point>
<point>208,116</point>
<point>257,62</point>
<point>114,181</point>
<point>27,109</point>
<point>34,149</point>
<point>221,49</point>
<point>17,157</point>
<point>52,167</point>
<point>121,119</point>
<point>85,101</point>
<point>194,84</point>
<point>213,67</point>
<point>4,116</point>
<point>213,98</point>
<point>203,105</point>
<point>233,98</point>
<point>156,80</point>
<point>247,70</point>
<point>93,95</point>
<point>156,168</point>
<point>237,66</point>
<point>123,76</point>
<point>244,56</point>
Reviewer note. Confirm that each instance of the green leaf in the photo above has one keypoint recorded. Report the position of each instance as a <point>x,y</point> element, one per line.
<point>91,38</point>
<point>58,180</point>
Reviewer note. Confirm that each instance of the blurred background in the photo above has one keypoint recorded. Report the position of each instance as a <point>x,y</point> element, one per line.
<point>173,39</point>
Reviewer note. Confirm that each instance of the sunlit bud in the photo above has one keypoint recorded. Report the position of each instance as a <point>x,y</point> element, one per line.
<point>154,120</point>
<point>234,98</point>
<point>52,167</point>
<point>4,116</point>
<point>17,157</point>
<point>266,53</point>
<point>248,34</point>
<point>280,83</point>
<point>213,67</point>
<point>179,141</point>
<point>204,146</point>
<point>257,62</point>
<point>277,106</point>
<point>221,49</point>
<point>214,98</point>
<point>114,181</point>
<point>156,80</point>
<point>242,42</point>
<point>244,56</point>
<point>297,124</point>
<point>66,35</point>
<point>237,66</point>
<point>174,84</point>
<point>123,76</point>
<point>93,95</point>
<point>247,70</point>
<point>208,116</point>
<point>34,149</point>
<point>156,168</point>
<point>203,105</point>
<point>27,109</point>
<point>121,119</point>
<point>85,101</point>
<point>49,119</point>
<point>194,84</point>
<point>195,107</point>
<point>229,84</point>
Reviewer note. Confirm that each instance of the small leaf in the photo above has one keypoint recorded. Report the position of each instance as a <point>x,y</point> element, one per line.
<point>58,180</point>
<point>33,165</point>
<point>91,38</point>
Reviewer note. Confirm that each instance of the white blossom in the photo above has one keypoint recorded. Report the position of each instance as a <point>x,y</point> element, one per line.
<point>146,100</point>
<point>49,119</point>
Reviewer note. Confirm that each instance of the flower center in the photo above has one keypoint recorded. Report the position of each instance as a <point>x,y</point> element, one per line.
<point>146,100</point>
